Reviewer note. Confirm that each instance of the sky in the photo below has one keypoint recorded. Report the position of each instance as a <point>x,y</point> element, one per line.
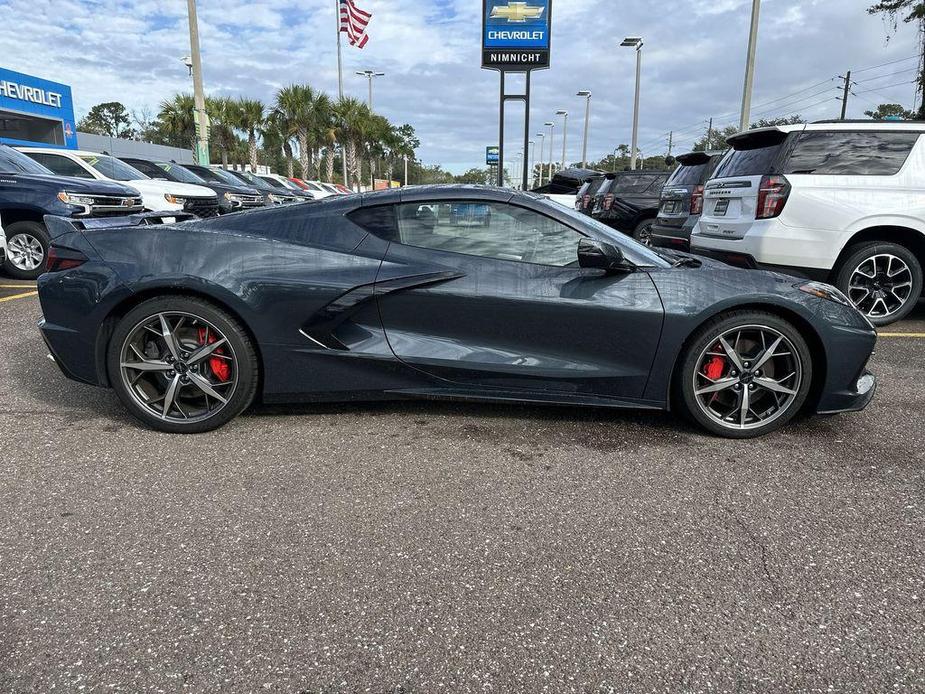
<point>693,63</point>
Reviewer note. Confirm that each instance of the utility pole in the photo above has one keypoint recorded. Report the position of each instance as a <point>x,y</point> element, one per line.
<point>369,74</point>
<point>564,134</point>
<point>542,137</point>
<point>584,147</point>
<point>670,142</point>
<point>532,144</point>
<point>750,67</point>
<point>552,140</point>
<point>844,101</point>
<point>710,135</point>
<point>199,98</point>
<point>406,169</point>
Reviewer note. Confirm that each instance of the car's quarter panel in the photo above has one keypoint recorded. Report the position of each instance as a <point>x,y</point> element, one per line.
<point>841,338</point>
<point>504,325</point>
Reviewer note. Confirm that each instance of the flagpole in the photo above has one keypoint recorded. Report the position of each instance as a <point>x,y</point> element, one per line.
<point>340,87</point>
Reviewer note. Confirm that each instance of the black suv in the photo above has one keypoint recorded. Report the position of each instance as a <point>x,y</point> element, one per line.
<point>29,191</point>
<point>584,199</point>
<point>231,198</point>
<point>628,201</point>
<point>682,200</point>
<point>272,194</point>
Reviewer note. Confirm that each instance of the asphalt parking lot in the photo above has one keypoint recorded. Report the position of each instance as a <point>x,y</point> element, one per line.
<point>422,547</point>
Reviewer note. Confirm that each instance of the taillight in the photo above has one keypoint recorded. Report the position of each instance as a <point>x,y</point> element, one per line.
<point>608,201</point>
<point>697,200</point>
<point>60,258</point>
<point>772,196</point>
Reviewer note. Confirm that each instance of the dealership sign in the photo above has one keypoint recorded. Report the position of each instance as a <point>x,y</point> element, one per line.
<point>492,155</point>
<point>32,107</point>
<point>516,35</point>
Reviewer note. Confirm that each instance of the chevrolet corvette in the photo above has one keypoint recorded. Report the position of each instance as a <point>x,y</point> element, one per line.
<point>387,296</point>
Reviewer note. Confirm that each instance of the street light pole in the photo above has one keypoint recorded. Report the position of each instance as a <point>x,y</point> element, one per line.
<point>532,160</point>
<point>199,98</point>
<point>564,114</point>
<point>552,144</point>
<point>369,74</point>
<point>750,67</point>
<point>637,43</point>
<point>542,137</point>
<point>584,147</point>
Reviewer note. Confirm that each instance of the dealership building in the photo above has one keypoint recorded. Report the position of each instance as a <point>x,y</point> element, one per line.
<point>40,113</point>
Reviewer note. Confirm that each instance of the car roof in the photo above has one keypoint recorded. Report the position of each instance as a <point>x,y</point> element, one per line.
<point>852,125</point>
<point>452,191</point>
<point>57,150</point>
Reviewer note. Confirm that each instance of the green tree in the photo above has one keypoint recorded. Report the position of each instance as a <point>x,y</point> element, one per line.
<point>249,116</point>
<point>221,112</point>
<point>890,112</point>
<point>910,11</point>
<point>352,117</point>
<point>110,119</point>
<point>176,121</point>
<point>476,177</point>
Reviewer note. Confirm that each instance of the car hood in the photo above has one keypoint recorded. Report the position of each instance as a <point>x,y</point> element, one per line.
<point>151,186</point>
<point>222,188</point>
<point>76,185</point>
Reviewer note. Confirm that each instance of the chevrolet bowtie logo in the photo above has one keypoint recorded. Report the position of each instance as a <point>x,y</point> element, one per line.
<point>517,12</point>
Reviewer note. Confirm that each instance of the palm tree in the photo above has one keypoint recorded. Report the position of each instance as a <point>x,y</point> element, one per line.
<point>249,118</point>
<point>289,113</point>
<point>320,117</point>
<point>176,118</point>
<point>221,112</point>
<point>352,117</point>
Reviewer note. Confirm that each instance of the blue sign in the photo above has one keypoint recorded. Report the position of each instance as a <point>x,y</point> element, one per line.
<point>35,111</point>
<point>492,155</point>
<point>516,34</point>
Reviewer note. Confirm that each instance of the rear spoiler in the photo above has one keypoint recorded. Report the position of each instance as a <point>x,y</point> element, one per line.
<point>58,226</point>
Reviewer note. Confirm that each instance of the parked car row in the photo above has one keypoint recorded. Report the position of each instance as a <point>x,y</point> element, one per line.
<point>35,182</point>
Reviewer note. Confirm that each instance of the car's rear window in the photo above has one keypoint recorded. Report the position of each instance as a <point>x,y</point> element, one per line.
<point>754,154</point>
<point>690,175</point>
<point>859,153</point>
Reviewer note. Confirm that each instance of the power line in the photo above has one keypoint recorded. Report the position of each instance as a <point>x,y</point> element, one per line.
<point>889,74</point>
<point>892,62</point>
<point>888,86</point>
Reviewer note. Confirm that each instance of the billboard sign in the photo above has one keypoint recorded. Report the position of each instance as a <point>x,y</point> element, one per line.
<point>516,35</point>
<point>492,155</point>
<point>35,111</point>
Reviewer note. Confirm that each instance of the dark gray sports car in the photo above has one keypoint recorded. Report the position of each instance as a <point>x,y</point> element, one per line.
<point>393,295</point>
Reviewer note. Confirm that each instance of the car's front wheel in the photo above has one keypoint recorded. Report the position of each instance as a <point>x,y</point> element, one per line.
<point>182,365</point>
<point>745,374</point>
<point>26,250</point>
<point>882,280</point>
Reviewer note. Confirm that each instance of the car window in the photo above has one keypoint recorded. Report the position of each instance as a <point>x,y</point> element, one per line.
<point>63,166</point>
<point>12,161</point>
<point>488,230</point>
<point>179,173</point>
<point>629,184</point>
<point>113,168</point>
<point>753,154</point>
<point>851,153</point>
<point>147,168</point>
<point>272,181</point>
<point>689,174</point>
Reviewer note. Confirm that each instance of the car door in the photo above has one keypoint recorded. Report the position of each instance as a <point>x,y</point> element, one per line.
<point>496,301</point>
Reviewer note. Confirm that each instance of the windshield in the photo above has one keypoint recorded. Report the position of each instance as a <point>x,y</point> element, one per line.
<point>689,175</point>
<point>273,182</point>
<point>635,251</point>
<point>179,173</point>
<point>113,168</point>
<point>12,161</point>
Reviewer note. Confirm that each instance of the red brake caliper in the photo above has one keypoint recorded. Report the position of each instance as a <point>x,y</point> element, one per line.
<point>714,370</point>
<point>219,367</point>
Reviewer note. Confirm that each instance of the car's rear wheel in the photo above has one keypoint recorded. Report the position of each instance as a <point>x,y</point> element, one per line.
<point>643,232</point>
<point>745,374</point>
<point>26,250</point>
<point>883,280</point>
<point>182,365</point>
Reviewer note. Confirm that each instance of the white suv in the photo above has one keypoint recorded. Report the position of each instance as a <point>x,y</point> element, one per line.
<point>158,195</point>
<point>841,202</point>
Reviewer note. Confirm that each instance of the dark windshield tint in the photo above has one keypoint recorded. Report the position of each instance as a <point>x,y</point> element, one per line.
<point>634,183</point>
<point>12,161</point>
<point>178,173</point>
<point>689,175</point>
<point>753,154</point>
<point>272,181</point>
<point>851,153</point>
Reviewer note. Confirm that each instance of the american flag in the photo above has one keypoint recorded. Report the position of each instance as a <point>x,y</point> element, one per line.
<point>354,21</point>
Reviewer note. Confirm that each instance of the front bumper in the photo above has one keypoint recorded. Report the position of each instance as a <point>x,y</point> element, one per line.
<point>748,262</point>
<point>853,399</point>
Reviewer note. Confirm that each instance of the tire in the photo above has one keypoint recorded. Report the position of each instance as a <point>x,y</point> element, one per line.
<point>201,324</point>
<point>767,409</point>
<point>889,297</point>
<point>643,232</point>
<point>31,240</point>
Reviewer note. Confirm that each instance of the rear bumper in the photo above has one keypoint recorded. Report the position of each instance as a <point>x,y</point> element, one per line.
<point>675,237</point>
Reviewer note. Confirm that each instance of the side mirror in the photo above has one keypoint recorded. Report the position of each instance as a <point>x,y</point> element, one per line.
<point>602,256</point>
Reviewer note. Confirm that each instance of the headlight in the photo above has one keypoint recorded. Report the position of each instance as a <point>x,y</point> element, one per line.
<point>824,291</point>
<point>277,199</point>
<point>173,199</point>
<point>75,199</point>
<point>231,197</point>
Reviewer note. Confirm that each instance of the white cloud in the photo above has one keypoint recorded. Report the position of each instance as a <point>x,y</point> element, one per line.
<point>692,62</point>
